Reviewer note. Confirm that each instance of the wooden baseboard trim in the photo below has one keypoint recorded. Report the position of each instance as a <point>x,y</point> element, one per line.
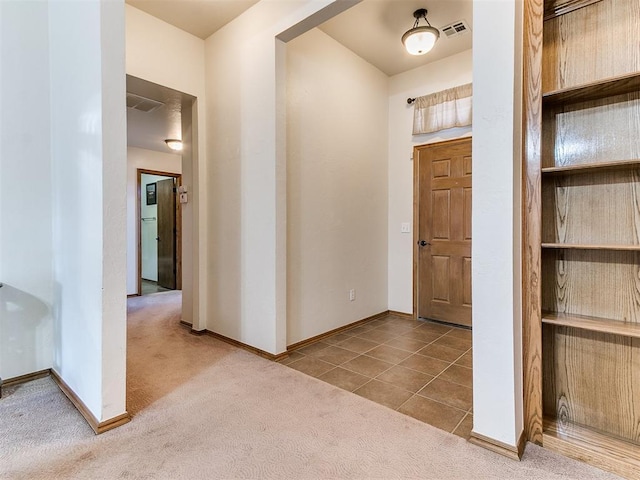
<point>317,338</point>
<point>510,451</point>
<point>133,295</point>
<point>98,427</point>
<point>8,382</point>
<point>408,316</point>
<point>244,346</point>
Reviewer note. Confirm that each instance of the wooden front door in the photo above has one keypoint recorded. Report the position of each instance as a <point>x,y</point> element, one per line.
<point>166,198</point>
<point>443,230</point>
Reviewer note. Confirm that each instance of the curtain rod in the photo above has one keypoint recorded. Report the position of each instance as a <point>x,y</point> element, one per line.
<point>410,101</point>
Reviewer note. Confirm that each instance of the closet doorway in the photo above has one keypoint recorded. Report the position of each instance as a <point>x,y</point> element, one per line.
<point>159,232</point>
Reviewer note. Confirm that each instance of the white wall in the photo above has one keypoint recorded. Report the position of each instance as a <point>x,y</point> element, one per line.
<point>247,172</point>
<point>26,325</point>
<point>149,160</point>
<point>446,73</point>
<point>88,148</point>
<point>163,54</point>
<point>496,281</point>
<point>336,186</point>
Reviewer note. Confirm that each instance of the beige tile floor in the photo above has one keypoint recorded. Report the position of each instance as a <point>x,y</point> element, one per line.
<point>419,368</point>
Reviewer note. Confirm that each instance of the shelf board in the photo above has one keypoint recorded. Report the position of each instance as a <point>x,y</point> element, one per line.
<point>580,246</point>
<point>594,324</point>
<point>594,90</point>
<point>598,449</point>
<point>588,167</point>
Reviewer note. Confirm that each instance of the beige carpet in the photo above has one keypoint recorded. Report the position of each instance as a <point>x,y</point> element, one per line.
<point>204,409</point>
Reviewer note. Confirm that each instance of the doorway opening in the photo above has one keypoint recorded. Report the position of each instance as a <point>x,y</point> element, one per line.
<point>442,238</point>
<point>159,232</point>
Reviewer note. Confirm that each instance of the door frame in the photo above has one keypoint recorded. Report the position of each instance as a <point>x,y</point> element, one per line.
<point>178,177</point>
<point>416,213</point>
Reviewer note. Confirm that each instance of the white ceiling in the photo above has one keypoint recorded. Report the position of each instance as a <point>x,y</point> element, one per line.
<point>149,130</point>
<point>198,17</point>
<point>372,29</point>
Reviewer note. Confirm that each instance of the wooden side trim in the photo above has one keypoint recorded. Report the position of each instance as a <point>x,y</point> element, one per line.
<point>244,346</point>
<point>531,215</point>
<point>308,341</point>
<point>317,338</point>
<point>513,452</point>
<point>98,427</point>
<point>8,382</point>
<point>408,316</point>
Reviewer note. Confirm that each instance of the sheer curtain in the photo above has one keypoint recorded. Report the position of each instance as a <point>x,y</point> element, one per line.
<point>445,109</point>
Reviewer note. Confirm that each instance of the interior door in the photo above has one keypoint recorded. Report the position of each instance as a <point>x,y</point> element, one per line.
<point>443,189</point>
<point>166,201</point>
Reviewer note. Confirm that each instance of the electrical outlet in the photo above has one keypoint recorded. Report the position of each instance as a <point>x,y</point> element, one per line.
<point>352,295</point>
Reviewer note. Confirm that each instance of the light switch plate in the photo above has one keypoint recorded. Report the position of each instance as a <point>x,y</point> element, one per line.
<point>405,227</point>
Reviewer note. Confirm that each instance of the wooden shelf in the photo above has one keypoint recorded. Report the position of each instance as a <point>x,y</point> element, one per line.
<point>594,90</point>
<point>579,246</point>
<point>590,167</point>
<point>602,325</point>
<point>598,449</point>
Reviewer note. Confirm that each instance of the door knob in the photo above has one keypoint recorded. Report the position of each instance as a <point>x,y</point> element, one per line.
<point>423,243</point>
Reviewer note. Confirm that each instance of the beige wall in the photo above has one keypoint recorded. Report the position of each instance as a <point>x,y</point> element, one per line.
<point>246,129</point>
<point>336,186</point>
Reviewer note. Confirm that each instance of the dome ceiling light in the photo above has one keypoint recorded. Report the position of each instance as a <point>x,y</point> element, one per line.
<point>420,40</point>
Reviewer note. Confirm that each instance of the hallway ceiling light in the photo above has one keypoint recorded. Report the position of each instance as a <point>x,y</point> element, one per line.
<point>174,144</point>
<point>420,40</point>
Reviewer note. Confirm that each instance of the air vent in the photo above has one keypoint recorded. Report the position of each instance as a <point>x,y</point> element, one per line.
<point>141,103</point>
<point>455,29</point>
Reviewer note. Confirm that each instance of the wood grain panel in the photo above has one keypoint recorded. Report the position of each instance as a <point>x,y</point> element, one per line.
<point>602,208</point>
<point>590,132</point>
<point>439,275</point>
<point>467,198</point>
<point>466,279</point>
<point>604,284</point>
<point>591,43</point>
<point>466,165</point>
<point>441,168</point>
<point>593,379</point>
<point>440,207</point>
<point>531,235</point>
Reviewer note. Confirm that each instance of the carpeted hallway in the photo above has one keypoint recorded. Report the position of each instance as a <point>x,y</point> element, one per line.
<point>204,409</point>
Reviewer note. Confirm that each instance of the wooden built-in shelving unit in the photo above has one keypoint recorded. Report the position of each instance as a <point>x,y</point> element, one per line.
<point>585,168</point>
<point>608,87</point>
<point>576,246</point>
<point>582,230</point>
<point>593,324</point>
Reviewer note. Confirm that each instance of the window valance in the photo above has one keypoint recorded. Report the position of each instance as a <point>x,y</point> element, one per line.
<point>445,109</point>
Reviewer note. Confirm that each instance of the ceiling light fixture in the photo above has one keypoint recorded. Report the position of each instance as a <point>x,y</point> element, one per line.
<point>174,144</point>
<point>420,40</point>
